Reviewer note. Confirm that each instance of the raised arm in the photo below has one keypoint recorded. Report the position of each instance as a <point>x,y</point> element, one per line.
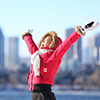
<point>27,37</point>
<point>65,45</point>
<point>79,31</point>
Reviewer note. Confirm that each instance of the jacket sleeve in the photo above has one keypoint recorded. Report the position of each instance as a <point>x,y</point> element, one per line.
<point>64,46</point>
<point>30,44</point>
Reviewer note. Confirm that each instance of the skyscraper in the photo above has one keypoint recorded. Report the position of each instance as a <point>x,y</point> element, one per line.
<point>75,49</point>
<point>93,42</point>
<point>69,53</point>
<point>90,41</point>
<point>89,51</point>
<point>88,55</point>
<point>13,51</point>
<point>1,50</point>
<point>97,45</point>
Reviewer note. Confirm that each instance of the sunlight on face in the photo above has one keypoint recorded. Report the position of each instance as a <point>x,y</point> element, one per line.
<point>46,42</point>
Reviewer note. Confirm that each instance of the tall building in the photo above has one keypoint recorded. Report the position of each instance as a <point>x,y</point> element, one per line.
<point>69,53</point>
<point>93,42</point>
<point>13,51</point>
<point>90,41</point>
<point>88,56</point>
<point>97,46</point>
<point>75,50</point>
<point>1,50</point>
<point>89,53</point>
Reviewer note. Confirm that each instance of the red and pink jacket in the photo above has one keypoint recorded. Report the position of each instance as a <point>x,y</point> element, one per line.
<point>49,61</point>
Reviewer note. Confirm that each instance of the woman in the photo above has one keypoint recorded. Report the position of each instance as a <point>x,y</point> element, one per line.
<point>46,59</point>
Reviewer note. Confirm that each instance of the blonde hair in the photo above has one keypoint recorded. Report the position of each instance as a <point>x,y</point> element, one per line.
<point>53,36</point>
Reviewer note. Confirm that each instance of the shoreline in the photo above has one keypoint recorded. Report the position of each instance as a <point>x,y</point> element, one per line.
<point>56,88</point>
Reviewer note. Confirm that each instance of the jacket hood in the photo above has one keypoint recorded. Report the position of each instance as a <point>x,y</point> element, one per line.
<point>56,41</point>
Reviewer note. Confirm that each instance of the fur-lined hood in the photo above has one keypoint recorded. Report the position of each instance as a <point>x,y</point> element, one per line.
<point>55,40</point>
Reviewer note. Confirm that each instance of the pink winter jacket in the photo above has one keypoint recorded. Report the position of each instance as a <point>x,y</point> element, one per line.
<point>50,61</point>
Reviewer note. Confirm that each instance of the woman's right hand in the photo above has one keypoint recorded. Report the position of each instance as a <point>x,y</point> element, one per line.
<point>28,32</point>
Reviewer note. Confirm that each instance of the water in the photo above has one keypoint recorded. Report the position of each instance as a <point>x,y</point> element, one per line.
<point>12,95</point>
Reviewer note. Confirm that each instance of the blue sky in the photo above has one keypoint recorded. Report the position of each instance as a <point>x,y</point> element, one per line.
<point>16,16</point>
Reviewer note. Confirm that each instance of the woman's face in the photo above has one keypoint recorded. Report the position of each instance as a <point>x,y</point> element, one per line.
<point>46,42</point>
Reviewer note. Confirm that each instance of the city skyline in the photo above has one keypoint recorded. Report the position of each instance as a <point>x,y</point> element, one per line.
<point>43,16</point>
<point>12,52</point>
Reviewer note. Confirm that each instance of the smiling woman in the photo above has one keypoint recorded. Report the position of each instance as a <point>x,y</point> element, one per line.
<point>50,39</point>
<point>46,59</point>
<point>19,15</point>
<point>46,42</point>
